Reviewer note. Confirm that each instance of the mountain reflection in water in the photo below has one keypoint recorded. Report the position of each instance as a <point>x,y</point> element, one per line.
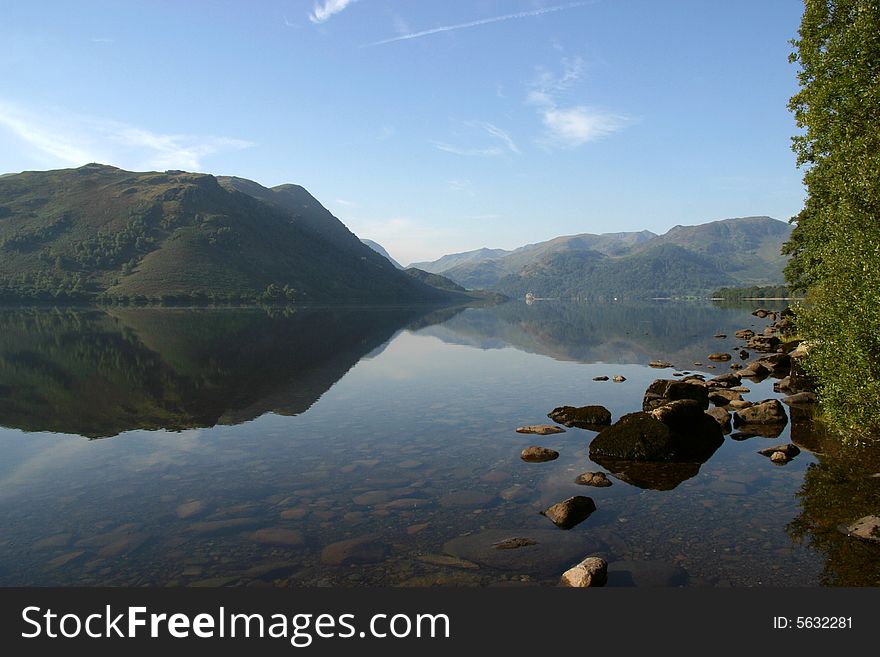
<point>98,374</point>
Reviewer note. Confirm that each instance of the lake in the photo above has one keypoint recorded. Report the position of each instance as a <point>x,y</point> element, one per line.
<point>364,447</point>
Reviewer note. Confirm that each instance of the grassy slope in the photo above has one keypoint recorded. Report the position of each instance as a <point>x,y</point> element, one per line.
<point>100,230</point>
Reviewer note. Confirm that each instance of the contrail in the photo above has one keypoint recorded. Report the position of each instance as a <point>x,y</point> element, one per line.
<point>484,21</point>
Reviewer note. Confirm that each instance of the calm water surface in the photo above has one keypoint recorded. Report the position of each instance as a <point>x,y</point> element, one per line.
<point>377,447</point>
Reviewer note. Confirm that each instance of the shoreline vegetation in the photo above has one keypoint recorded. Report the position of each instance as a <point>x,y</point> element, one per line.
<point>833,249</point>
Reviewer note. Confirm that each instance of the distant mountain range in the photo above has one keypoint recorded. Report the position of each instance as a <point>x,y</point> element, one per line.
<point>686,260</point>
<point>98,232</point>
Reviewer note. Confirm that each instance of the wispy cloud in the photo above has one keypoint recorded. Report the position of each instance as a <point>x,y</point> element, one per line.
<point>71,139</point>
<point>476,23</point>
<point>457,150</point>
<point>103,40</point>
<point>569,126</point>
<point>482,128</point>
<point>574,126</point>
<point>324,11</point>
<point>345,204</point>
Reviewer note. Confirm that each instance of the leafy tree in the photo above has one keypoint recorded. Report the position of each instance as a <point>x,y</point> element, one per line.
<point>835,246</point>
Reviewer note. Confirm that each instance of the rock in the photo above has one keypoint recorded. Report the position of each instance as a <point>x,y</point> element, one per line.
<point>677,374</point>
<point>760,313</point>
<point>721,416</point>
<point>789,451</point>
<point>867,528</point>
<point>763,343</point>
<point>724,380</point>
<point>720,335</point>
<point>660,364</point>
<point>720,356</point>
<point>294,514</point>
<point>663,391</point>
<point>745,334</point>
<point>446,561</point>
<point>769,411</point>
<point>535,454</point>
<point>543,552</point>
<point>678,415</point>
<point>735,366</point>
<point>743,354</point>
<point>592,571</point>
<point>583,417</point>
<point>783,385</point>
<point>689,436</point>
<point>740,389</point>
<point>276,536</point>
<point>694,377</point>
<point>570,512</point>
<point>540,429</point>
<point>514,543</point>
<point>600,378</point>
<point>721,397</point>
<point>618,378</point>
<point>800,398</point>
<point>754,370</point>
<point>597,479</point>
<point>779,457</point>
<point>739,404</point>
<point>360,550</point>
<point>190,509</point>
<point>776,362</point>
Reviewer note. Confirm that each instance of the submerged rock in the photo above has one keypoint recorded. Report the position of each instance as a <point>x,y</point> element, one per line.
<point>540,429</point>
<point>597,479</point>
<point>582,417</point>
<point>660,364</point>
<point>663,391</point>
<point>536,454</point>
<point>514,543</point>
<point>618,378</point>
<point>545,552</point>
<point>360,550</point>
<point>646,574</point>
<point>591,572</point>
<point>570,512</point>
<point>720,356</point>
<point>600,378</point>
<point>744,334</point>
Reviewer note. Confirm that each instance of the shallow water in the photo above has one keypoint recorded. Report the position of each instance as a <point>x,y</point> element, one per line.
<point>377,447</point>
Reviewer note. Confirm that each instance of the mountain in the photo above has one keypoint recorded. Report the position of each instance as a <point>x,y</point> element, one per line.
<point>378,248</point>
<point>686,260</point>
<point>453,260</point>
<point>98,232</point>
<point>487,272</point>
<point>747,248</point>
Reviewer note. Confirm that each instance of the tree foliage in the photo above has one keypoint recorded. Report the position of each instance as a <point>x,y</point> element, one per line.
<point>835,247</point>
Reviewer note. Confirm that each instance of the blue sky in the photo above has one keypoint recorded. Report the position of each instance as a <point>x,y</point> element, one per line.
<point>429,126</point>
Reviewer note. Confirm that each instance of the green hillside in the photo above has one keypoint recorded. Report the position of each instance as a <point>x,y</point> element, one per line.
<point>686,260</point>
<point>660,271</point>
<point>101,233</point>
